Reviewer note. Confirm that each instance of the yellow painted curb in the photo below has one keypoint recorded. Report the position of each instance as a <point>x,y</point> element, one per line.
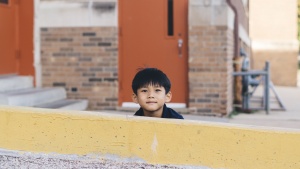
<point>159,141</point>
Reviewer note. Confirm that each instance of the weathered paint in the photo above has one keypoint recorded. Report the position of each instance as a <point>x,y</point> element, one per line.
<point>158,141</point>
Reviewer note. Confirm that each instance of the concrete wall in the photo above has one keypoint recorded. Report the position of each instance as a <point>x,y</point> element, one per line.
<point>78,13</point>
<point>151,140</point>
<point>273,30</point>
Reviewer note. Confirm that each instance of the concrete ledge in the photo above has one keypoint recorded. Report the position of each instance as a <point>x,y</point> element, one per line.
<point>155,141</point>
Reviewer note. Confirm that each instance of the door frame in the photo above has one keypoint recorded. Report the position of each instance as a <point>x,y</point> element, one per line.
<point>122,61</point>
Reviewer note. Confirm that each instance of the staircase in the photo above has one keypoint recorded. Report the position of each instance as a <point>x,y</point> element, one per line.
<point>19,91</point>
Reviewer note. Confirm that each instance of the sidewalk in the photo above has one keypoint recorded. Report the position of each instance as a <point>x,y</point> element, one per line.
<point>290,96</point>
<point>290,118</point>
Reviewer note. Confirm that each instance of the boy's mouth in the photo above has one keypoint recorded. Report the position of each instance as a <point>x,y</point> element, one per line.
<point>151,102</point>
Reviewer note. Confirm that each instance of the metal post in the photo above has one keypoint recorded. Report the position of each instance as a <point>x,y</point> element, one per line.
<point>263,102</point>
<point>267,88</point>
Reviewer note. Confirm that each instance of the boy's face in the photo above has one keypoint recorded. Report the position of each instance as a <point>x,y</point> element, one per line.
<point>152,99</point>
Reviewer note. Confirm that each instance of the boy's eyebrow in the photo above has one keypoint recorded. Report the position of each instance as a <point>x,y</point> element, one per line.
<point>155,85</point>
<point>158,86</point>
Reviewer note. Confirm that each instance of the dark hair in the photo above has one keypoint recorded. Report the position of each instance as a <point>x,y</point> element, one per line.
<point>150,76</point>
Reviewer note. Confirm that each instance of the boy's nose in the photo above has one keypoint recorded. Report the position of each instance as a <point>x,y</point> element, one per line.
<point>150,95</point>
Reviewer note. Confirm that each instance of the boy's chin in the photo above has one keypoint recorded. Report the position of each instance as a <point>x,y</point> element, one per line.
<point>152,110</point>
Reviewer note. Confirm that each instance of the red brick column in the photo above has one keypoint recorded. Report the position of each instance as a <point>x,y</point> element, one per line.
<point>210,69</point>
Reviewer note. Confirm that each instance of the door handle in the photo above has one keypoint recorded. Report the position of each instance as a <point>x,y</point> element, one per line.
<point>180,43</point>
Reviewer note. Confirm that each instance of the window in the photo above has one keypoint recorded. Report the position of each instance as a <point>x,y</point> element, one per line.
<point>170,18</point>
<point>4,2</point>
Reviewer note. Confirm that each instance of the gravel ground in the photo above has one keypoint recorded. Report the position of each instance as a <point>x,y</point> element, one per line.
<point>38,161</point>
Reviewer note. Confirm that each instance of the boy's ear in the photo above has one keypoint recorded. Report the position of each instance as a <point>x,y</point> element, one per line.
<point>134,98</point>
<point>168,96</point>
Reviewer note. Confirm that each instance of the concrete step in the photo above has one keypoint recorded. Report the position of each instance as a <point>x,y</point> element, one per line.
<point>18,90</point>
<point>32,96</point>
<point>14,82</point>
<point>66,104</point>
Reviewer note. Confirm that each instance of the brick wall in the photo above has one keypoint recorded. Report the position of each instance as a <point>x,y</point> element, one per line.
<point>84,61</point>
<point>210,68</point>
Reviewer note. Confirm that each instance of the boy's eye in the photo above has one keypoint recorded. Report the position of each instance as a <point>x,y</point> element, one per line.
<point>157,90</point>
<point>143,90</point>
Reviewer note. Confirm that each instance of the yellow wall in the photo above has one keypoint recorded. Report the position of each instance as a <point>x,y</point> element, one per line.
<point>159,141</point>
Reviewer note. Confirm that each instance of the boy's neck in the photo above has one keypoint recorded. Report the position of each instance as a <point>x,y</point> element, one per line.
<point>153,114</point>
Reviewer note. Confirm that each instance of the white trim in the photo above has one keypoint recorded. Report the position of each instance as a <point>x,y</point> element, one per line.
<point>36,36</point>
<point>275,45</point>
<point>244,35</point>
<point>171,105</point>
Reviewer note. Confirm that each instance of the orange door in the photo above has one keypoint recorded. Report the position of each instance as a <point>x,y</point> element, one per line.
<point>26,37</point>
<point>8,37</point>
<point>16,37</point>
<point>153,33</point>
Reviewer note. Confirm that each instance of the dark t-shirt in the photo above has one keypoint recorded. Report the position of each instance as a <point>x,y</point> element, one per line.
<point>167,113</point>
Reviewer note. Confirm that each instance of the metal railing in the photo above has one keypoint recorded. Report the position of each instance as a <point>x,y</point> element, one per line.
<point>265,79</point>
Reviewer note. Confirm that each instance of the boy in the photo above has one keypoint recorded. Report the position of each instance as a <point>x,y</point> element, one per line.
<point>151,90</point>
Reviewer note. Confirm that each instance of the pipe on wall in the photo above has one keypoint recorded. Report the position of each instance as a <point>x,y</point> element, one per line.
<point>235,31</point>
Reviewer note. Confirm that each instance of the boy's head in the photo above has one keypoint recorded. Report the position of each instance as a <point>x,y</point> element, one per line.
<point>150,76</point>
<point>151,90</point>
